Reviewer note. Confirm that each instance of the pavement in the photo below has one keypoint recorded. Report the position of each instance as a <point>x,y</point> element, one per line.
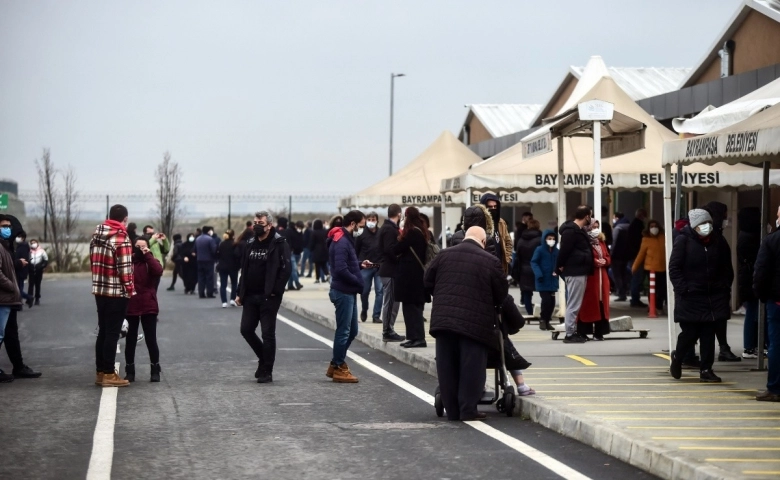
<point>208,418</point>
<point>618,396</point>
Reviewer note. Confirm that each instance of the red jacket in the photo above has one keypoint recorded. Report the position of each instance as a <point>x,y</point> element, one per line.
<point>596,290</point>
<point>111,258</point>
<point>146,278</point>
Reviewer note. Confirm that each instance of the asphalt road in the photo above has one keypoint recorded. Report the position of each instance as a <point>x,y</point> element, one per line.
<point>208,418</point>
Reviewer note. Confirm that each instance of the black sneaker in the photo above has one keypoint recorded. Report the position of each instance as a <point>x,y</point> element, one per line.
<point>376,320</point>
<point>259,370</point>
<point>675,368</point>
<point>708,376</point>
<point>363,315</point>
<point>265,377</point>
<point>574,339</point>
<point>726,355</point>
<point>25,372</point>
<point>639,304</point>
<point>170,289</point>
<point>5,378</point>
<point>393,337</point>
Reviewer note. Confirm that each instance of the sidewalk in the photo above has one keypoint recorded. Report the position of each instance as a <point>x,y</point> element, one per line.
<point>618,396</point>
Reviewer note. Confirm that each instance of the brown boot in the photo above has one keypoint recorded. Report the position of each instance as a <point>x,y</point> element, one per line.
<point>114,380</point>
<point>99,379</point>
<point>331,369</point>
<point>343,375</point>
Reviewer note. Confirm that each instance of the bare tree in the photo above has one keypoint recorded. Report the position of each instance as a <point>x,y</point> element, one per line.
<point>61,210</point>
<point>169,196</point>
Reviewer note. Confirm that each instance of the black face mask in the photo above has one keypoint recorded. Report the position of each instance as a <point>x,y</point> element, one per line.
<point>496,214</point>
<point>259,230</point>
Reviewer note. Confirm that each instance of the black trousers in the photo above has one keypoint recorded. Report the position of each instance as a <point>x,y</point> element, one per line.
<point>548,305</point>
<point>720,333</point>
<point>413,320</point>
<point>258,310</point>
<point>35,283</point>
<point>149,324</point>
<point>11,341</point>
<point>321,270</point>
<point>205,278</point>
<point>111,314</point>
<point>622,275</point>
<point>704,332</point>
<point>460,365</point>
<point>176,273</point>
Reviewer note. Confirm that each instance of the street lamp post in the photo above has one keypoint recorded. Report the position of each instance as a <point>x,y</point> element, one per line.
<point>392,91</point>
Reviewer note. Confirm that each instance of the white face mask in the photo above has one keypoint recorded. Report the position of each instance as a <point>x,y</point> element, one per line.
<point>551,243</point>
<point>654,231</point>
<point>594,233</point>
<point>33,246</point>
<point>357,232</point>
<point>371,224</point>
<point>704,229</point>
<point>191,239</point>
<point>19,240</point>
<point>777,223</point>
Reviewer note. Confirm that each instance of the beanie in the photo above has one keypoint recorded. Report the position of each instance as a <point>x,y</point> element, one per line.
<point>697,216</point>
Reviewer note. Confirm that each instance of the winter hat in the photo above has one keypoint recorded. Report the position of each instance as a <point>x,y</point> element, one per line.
<point>697,216</point>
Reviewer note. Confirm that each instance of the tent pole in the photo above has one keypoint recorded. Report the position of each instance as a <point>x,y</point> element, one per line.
<point>468,197</point>
<point>733,242</point>
<point>561,219</point>
<point>443,222</point>
<point>668,228</point>
<point>597,171</point>
<point>679,195</point>
<point>762,305</point>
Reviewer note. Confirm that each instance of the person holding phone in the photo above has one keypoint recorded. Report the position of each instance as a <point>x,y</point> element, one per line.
<point>367,249</point>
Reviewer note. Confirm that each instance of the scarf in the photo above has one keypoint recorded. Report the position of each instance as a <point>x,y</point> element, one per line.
<point>594,241</point>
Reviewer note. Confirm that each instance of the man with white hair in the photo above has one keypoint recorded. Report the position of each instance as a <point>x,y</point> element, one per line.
<point>464,275</point>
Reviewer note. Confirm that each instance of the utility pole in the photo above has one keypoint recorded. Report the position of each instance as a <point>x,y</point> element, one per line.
<point>289,210</point>
<point>107,208</point>
<point>230,210</point>
<point>392,94</point>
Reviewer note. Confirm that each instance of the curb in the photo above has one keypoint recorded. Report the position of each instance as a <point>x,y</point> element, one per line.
<point>644,454</point>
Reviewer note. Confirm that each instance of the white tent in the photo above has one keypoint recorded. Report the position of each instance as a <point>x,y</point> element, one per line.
<point>740,109</point>
<point>418,182</point>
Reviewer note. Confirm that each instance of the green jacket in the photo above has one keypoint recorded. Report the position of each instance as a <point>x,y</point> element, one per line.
<point>160,250</point>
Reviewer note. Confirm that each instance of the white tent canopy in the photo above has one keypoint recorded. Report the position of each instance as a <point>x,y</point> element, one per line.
<point>754,140</point>
<point>641,169</point>
<point>418,182</point>
<point>714,119</point>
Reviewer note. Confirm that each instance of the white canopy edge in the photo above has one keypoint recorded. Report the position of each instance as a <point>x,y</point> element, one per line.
<point>719,118</point>
<point>727,146</point>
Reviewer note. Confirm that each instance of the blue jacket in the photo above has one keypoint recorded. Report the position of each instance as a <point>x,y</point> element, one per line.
<point>543,264</point>
<point>345,273</point>
<point>205,249</point>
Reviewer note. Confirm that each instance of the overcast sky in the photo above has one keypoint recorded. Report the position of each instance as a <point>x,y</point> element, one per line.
<point>293,96</point>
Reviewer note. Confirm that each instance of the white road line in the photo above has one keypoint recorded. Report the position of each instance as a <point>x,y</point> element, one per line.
<point>539,457</point>
<point>102,458</point>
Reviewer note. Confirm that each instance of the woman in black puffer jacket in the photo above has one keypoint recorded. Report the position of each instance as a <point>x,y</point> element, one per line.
<point>521,270</point>
<point>701,274</point>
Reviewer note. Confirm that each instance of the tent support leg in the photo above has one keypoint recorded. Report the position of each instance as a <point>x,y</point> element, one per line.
<point>443,222</point>
<point>762,305</point>
<point>668,228</point>
<point>561,219</point>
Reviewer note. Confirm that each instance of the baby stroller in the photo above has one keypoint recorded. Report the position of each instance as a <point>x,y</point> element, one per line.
<point>504,394</point>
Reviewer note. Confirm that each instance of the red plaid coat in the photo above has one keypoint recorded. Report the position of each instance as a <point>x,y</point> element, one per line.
<point>111,257</point>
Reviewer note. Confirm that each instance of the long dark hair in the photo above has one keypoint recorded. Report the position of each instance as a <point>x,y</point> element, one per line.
<point>413,219</point>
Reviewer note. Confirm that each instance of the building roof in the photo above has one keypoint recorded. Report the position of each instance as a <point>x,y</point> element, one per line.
<point>770,8</point>
<point>504,118</point>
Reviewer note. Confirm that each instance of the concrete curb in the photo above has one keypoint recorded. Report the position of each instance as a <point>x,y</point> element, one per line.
<point>614,441</point>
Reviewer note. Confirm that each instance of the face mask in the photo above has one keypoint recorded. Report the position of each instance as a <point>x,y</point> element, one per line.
<point>259,230</point>
<point>725,223</point>
<point>191,239</point>
<point>777,223</point>
<point>211,233</point>
<point>594,233</point>
<point>551,243</point>
<point>654,231</point>
<point>371,225</point>
<point>357,232</point>
<point>19,240</point>
<point>5,232</point>
<point>33,246</point>
<point>704,229</point>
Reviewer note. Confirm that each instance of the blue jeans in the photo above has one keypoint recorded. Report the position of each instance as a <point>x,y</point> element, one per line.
<point>294,281</point>
<point>526,299</point>
<point>637,280</point>
<point>773,335</point>
<point>306,261</point>
<point>20,281</point>
<point>346,323</point>
<point>371,275</point>
<point>750,328</point>
<point>5,312</point>
<point>205,278</point>
<point>223,278</point>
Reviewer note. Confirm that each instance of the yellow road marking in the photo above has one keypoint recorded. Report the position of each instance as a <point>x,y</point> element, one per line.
<point>761,472</point>
<point>740,403</point>
<point>664,356</point>
<point>656,391</point>
<point>708,412</point>
<point>536,384</point>
<point>746,460</point>
<point>583,361</point>
<point>702,428</point>
<point>763,449</point>
<point>665,378</point>
<point>647,397</point>
<point>746,439</point>
<point>616,368</point>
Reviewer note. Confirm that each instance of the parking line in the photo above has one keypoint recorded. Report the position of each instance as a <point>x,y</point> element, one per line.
<point>583,361</point>
<point>708,412</point>
<point>537,384</point>
<point>709,419</point>
<point>102,457</point>
<point>541,458</point>
<point>665,357</point>
<point>761,472</point>
<point>701,428</point>
<point>657,391</point>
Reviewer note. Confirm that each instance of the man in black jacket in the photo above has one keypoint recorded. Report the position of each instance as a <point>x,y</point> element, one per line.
<point>265,269</point>
<point>294,239</point>
<point>367,248</point>
<point>621,269</point>
<point>467,284</point>
<point>388,238</point>
<point>766,285</point>
<point>635,230</point>
<point>575,264</point>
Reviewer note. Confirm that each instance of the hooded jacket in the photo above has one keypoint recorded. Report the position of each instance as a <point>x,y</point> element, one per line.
<point>111,260</point>
<point>278,267</point>
<point>526,246</point>
<point>543,265</point>
<point>766,278</point>
<point>748,243</point>
<point>503,240</point>
<point>9,288</point>
<point>701,274</point>
<point>477,216</point>
<point>146,278</point>
<point>620,251</point>
<point>387,237</point>
<point>345,275</point>
<point>575,255</point>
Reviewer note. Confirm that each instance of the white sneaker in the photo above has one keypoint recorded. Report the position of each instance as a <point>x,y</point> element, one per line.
<point>123,331</point>
<point>740,311</point>
<point>140,337</point>
<point>224,305</point>
<point>233,303</point>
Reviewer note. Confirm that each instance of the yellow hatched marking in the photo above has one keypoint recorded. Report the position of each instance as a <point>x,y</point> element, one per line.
<point>740,403</point>
<point>745,460</point>
<point>664,356</point>
<point>608,368</point>
<point>646,397</point>
<point>752,449</point>
<point>582,360</point>
<point>658,391</point>
<point>746,439</point>
<point>702,428</point>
